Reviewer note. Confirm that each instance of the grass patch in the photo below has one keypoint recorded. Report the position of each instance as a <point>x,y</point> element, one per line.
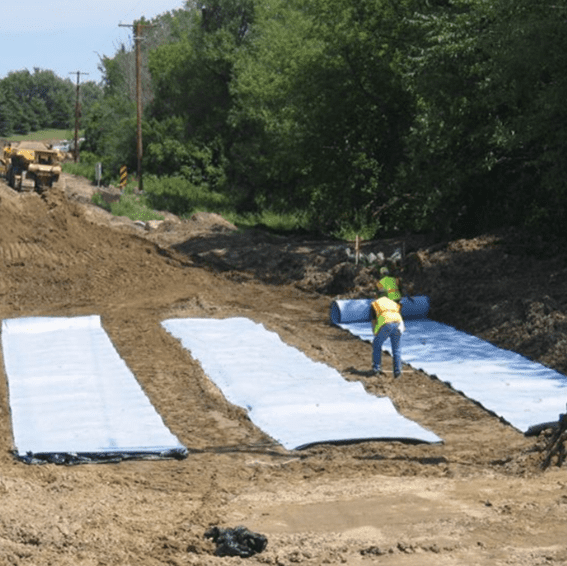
<point>180,197</point>
<point>362,225</point>
<point>349,233</point>
<point>280,222</point>
<point>85,167</point>
<point>44,135</point>
<point>135,208</point>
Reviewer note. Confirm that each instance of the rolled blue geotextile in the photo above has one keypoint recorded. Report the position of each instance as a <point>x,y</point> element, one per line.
<point>415,307</point>
<point>345,311</point>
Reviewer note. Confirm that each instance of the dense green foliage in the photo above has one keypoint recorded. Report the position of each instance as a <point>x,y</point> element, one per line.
<point>374,115</point>
<point>41,100</point>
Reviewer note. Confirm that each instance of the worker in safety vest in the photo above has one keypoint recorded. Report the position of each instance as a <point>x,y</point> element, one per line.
<point>389,285</point>
<point>387,322</point>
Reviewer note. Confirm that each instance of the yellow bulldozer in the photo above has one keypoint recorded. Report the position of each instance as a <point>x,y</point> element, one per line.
<point>31,165</point>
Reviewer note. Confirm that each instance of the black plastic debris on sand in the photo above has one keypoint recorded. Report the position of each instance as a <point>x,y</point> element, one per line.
<point>236,542</point>
<point>74,458</point>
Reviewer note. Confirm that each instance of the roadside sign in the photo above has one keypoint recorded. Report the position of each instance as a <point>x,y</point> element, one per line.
<point>123,176</point>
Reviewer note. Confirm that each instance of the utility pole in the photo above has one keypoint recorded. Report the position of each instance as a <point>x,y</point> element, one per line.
<point>77,117</point>
<point>137,40</point>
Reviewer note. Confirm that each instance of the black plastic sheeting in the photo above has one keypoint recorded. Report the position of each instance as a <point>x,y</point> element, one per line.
<point>72,459</point>
<point>238,541</point>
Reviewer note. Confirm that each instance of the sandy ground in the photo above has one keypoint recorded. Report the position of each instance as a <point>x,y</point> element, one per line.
<point>481,497</point>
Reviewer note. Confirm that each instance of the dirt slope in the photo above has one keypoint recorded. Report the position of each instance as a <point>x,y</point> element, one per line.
<point>478,498</point>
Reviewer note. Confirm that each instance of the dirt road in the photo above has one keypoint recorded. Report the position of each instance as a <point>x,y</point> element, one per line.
<point>478,498</point>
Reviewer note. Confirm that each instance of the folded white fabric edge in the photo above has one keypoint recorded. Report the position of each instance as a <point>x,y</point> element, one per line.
<point>522,392</point>
<point>293,399</point>
<point>71,393</point>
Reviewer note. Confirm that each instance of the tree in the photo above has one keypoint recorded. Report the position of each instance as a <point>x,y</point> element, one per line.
<point>192,73</point>
<point>529,46</point>
<point>38,100</point>
<point>6,113</point>
<point>191,76</point>
<point>450,146</point>
<point>442,115</point>
<point>322,86</point>
<point>488,142</point>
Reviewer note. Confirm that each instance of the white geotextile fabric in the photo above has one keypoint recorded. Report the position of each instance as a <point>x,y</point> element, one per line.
<point>521,391</point>
<point>290,397</point>
<point>70,392</point>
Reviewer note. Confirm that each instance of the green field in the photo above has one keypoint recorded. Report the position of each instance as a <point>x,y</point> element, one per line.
<point>45,135</point>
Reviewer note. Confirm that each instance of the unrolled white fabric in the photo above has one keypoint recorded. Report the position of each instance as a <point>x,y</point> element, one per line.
<point>522,392</point>
<point>71,393</point>
<point>292,398</point>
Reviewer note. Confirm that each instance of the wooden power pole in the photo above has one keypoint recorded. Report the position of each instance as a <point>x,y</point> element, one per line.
<point>138,27</point>
<point>77,117</point>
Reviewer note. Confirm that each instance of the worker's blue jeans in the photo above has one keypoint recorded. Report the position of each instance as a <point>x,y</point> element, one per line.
<point>392,331</point>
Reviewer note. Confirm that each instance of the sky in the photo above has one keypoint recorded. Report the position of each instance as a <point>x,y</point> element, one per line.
<point>66,36</point>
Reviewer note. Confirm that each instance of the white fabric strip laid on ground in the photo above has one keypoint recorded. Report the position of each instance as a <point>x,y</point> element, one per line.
<point>523,392</point>
<point>73,398</point>
<point>295,400</point>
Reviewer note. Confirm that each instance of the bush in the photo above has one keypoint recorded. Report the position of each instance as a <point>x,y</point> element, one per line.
<point>85,167</point>
<point>181,197</point>
<point>134,207</point>
<point>99,201</point>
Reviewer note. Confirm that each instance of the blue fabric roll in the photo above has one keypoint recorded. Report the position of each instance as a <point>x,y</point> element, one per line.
<point>415,307</point>
<point>345,311</point>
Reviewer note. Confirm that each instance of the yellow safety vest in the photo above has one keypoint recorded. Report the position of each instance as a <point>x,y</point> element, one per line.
<point>386,311</point>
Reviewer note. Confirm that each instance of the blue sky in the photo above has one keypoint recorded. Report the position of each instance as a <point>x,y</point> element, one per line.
<point>66,36</point>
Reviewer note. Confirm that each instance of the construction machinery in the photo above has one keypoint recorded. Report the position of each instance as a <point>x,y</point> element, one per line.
<point>31,165</point>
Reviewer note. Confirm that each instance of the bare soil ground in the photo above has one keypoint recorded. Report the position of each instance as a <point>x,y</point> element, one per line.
<point>481,497</point>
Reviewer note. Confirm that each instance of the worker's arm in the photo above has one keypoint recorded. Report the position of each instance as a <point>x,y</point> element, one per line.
<point>373,320</point>
<point>400,285</point>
